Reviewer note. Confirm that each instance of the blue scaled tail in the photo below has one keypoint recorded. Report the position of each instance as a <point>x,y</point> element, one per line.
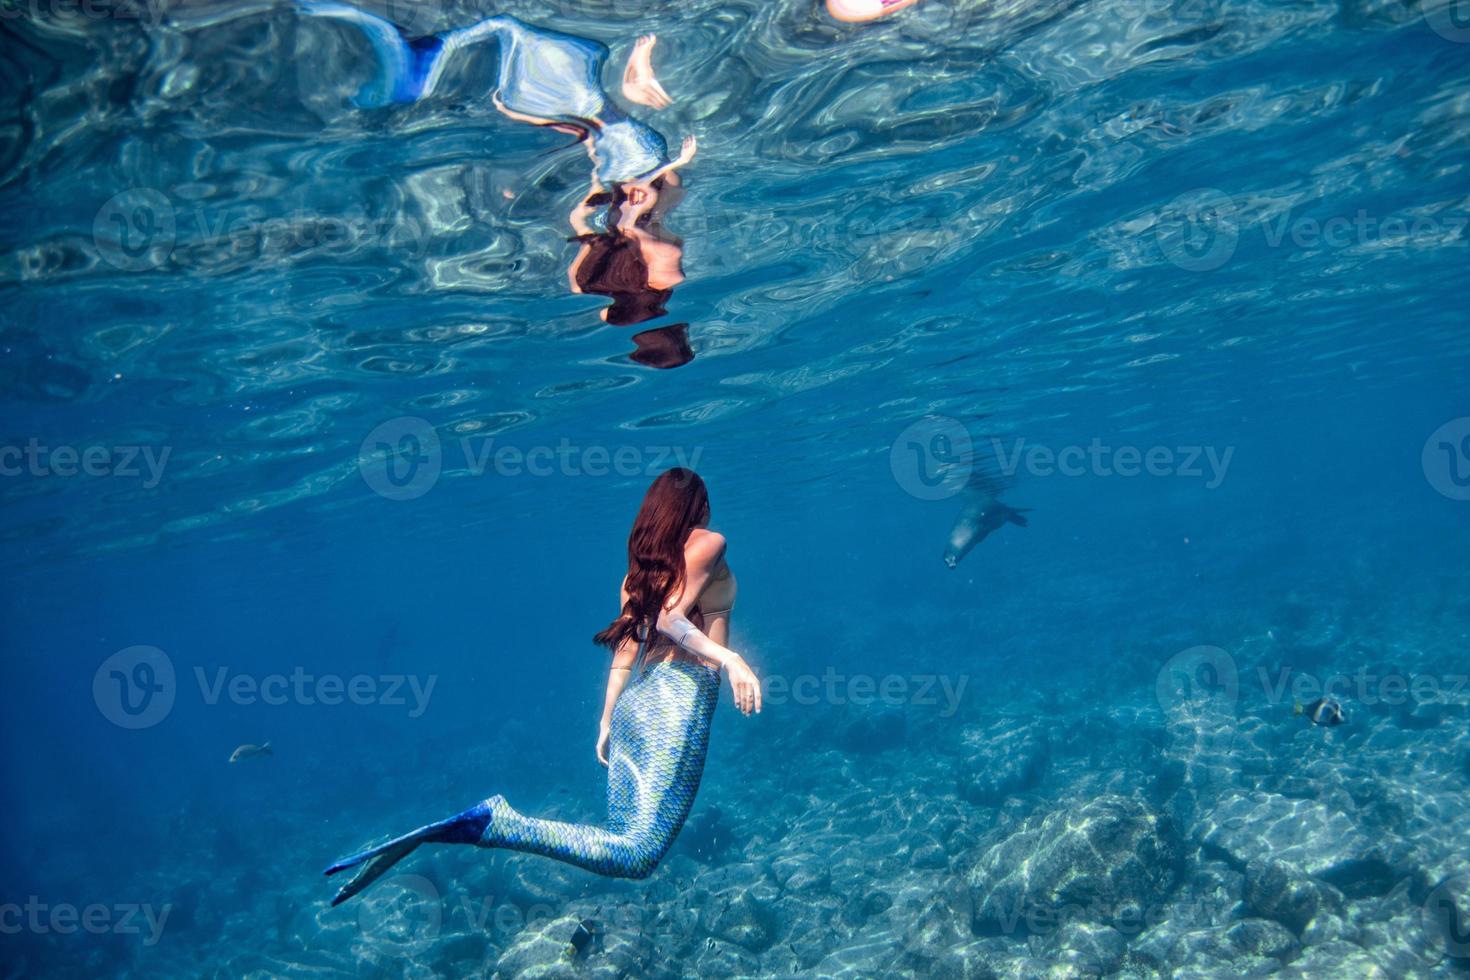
<point>463,828</point>
<point>542,76</point>
<point>408,68</point>
<point>660,734</point>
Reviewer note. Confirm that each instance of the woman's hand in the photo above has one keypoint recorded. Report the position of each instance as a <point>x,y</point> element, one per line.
<point>604,735</point>
<point>746,685</point>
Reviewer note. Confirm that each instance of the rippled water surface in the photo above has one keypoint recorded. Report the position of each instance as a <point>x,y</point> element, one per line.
<point>969,206</point>
<point>295,332</point>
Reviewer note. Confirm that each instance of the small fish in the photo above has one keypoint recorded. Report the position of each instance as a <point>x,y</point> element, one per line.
<point>1323,711</point>
<point>581,938</point>
<point>585,932</point>
<point>249,751</point>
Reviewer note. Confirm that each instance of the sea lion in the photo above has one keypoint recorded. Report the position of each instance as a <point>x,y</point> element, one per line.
<point>981,514</point>
<point>248,751</point>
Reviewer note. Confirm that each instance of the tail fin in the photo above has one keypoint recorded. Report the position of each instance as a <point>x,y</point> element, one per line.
<point>462,828</point>
<point>266,749</point>
<point>379,860</point>
<point>406,70</point>
<point>1013,514</point>
<point>1297,709</point>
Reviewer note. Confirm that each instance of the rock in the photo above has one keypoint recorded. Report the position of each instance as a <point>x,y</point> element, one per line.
<point>1305,834</point>
<point>811,879</point>
<point>1338,958</point>
<point>1446,917</point>
<point>966,961</point>
<point>538,953</point>
<point>1006,756</point>
<point>871,728</point>
<point>1094,950</point>
<point>1106,862</point>
<point>1262,938</point>
<point>744,920</point>
<point>1278,891</point>
<point>864,905</point>
<point>930,857</point>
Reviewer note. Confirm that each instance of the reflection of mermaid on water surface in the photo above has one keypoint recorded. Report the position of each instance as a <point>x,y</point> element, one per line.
<point>551,79</point>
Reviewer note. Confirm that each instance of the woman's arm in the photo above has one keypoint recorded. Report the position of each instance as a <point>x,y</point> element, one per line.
<point>617,679</point>
<point>703,560</point>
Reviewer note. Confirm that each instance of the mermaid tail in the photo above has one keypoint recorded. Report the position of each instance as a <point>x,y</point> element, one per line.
<point>407,69</point>
<point>542,75</point>
<point>462,828</point>
<point>660,733</point>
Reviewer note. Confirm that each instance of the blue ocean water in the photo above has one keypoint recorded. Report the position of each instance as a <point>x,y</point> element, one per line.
<point>307,439</point>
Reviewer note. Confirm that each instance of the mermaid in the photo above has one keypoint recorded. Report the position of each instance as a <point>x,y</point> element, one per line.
<point>668,645</point>
<point>551,79</point>
<point>544,77</point>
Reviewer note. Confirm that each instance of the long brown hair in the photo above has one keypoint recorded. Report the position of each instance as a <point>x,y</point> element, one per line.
<point>674,505</point>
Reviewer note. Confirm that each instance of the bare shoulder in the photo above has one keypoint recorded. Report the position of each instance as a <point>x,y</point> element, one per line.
<point>704,546</point>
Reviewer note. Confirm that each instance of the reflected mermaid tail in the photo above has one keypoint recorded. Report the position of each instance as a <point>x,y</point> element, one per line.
<point>660,734</point>
<point>542,76</point>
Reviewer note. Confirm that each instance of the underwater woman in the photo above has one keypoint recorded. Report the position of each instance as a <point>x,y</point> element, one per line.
<point>668,645</point>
